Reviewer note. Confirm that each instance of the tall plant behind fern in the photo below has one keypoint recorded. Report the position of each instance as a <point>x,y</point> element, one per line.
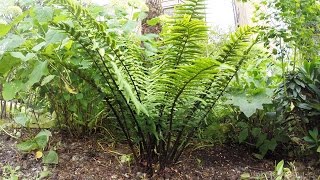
<point>158,106</point>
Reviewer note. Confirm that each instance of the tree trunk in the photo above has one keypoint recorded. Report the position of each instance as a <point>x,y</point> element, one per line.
<point>155,10</point>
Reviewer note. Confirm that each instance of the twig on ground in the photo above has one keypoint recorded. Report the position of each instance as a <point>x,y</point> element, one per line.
<point>1,128</point>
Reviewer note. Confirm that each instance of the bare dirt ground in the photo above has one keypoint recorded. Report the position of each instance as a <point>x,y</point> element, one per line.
<point>90,159</point>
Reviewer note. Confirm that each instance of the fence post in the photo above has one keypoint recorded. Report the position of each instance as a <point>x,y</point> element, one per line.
<point>2,105</point>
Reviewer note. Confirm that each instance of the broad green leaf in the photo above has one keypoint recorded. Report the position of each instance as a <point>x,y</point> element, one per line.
<point>39,46</point>
<point>68,44</point>
<point>51,158</point>
<point>256,131</point>
<point>153,21</point>
<point>21,119</point>
<point>27,146</point>
<point>249,105</point>
<point>66,96</point>
<point>50,49</point>
<point>43,14</point>
<point>242,125</point>
<point>318,149</point>
<point>41,141</point>
<point>4,29</point>
<point>308,139</point>
<point>263,149</point>
<point>47,79</point>
<point>54,36</point>
<point>272,144</point>
<point>29,56</point>
<point>129,26</point>
<point>139,15</point>
<point>10,89</point>
<point>243,135</point>
<point>42,138</point>
<point>44,133</point>
<point>60,18</point>
<point>19,55</point>
<point>39,70</point>
<point>79,96</point>
<point>261,139</point>
<point>7,62</point>
<point>314,134</point>
<point>10,42</point>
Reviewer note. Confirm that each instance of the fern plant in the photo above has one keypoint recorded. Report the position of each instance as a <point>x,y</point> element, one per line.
<point>160,107</point>
<point>158,101</point>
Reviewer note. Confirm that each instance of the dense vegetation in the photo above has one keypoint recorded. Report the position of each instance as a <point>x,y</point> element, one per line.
<point>90,70</point>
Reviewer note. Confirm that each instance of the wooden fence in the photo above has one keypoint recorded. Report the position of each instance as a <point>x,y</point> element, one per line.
<point>7,107</point>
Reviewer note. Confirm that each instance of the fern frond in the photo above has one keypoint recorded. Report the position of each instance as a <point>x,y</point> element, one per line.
<point>196,8</point>
<point>188,81</point>
<point>229,62</point>
<point>179,80</point>
<point>182,38</point>
<point>126,88</point>
<point>235,55</point>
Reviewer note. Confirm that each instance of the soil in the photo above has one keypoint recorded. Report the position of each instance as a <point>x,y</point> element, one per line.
<point>89,158</point>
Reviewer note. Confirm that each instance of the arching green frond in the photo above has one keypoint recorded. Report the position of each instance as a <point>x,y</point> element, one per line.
<point>126,88</point>
<point>214,84</point>
<point>188,81</point>
<point>196,8</point>
<point>231,58</point>
<point>188,77</point>
<point>182,37</point>
<point>134,62</point>
<point>238,40</point>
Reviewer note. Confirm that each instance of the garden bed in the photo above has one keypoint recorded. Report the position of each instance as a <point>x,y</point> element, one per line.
<point>89,158</point>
